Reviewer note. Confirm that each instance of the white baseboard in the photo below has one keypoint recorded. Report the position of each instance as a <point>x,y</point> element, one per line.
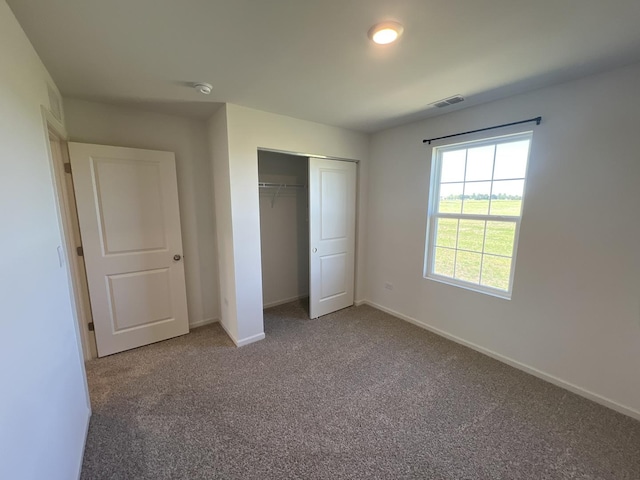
<point>202,323</point>
<point>631,412</point>
<point>248,340</point>
<point>244,341</point>
<point>286,300</point>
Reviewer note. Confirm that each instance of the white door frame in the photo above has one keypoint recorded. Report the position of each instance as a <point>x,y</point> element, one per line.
<point>73,263</point>
<point>51,126</point>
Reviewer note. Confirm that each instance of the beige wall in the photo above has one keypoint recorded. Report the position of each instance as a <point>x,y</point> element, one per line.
<point>219,151</point>
<point>91,122</point>
<point>44,407</point>
<point>574,316</point>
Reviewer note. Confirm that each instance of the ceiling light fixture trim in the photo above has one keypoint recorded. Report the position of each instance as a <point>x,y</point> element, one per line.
<point>386,32</point>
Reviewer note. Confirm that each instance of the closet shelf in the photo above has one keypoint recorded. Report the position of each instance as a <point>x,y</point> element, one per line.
<point>278,187</point>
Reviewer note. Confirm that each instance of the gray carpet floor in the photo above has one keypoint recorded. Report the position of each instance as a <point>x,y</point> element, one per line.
<point>356,394</point>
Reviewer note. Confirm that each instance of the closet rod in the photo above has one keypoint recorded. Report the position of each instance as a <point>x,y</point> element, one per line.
<point>280,185</point>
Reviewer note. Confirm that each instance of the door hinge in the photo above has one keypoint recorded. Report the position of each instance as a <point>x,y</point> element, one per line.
<point>67,168</point>
<point>91,327</point>
<point>80,251</point>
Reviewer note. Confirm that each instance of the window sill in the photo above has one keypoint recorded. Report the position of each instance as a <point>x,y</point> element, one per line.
<point>470,286</point>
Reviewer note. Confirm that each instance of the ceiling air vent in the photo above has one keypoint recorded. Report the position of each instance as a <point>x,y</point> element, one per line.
<point>449,101</point>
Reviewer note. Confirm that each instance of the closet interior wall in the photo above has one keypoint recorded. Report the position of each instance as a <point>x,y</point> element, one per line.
<point>284,227</point>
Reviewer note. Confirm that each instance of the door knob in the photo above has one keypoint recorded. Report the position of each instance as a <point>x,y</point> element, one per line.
<point>177,258</point>
<point>315,250</point>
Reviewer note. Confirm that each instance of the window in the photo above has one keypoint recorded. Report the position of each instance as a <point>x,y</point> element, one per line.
<point>475,209</point>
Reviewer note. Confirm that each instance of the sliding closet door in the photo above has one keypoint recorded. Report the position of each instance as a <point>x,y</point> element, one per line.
<point>332,215</point>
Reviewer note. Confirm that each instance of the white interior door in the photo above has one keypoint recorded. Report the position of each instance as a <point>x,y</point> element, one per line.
<point>332,215</point>
<point>127,203</point>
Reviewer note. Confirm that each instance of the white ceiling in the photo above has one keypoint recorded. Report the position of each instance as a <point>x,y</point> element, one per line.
<point>311,59</point>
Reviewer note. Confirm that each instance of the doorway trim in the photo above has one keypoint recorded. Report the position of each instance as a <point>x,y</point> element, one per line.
<point>356,218</point>
<point>307,155</point>
<point>80,306</point>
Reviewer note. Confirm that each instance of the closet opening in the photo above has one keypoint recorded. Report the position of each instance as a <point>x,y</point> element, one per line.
<point>307,225</point>
<point>284,228</point>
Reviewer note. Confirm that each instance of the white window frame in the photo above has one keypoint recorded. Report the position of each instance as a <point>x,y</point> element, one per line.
<point>434,198</point>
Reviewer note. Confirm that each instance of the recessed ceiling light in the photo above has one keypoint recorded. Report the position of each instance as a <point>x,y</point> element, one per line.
<point>385,32</point>
<point>203,88</point>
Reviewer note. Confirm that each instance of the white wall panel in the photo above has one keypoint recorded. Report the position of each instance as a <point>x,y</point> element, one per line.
<point>574,313</point>
<point>44,407</point>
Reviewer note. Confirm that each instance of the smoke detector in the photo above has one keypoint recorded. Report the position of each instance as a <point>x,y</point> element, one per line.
<point>203,88</point>
<point>445,102</point>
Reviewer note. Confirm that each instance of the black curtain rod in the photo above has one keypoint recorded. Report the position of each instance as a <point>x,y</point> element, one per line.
<point>537,120</point>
